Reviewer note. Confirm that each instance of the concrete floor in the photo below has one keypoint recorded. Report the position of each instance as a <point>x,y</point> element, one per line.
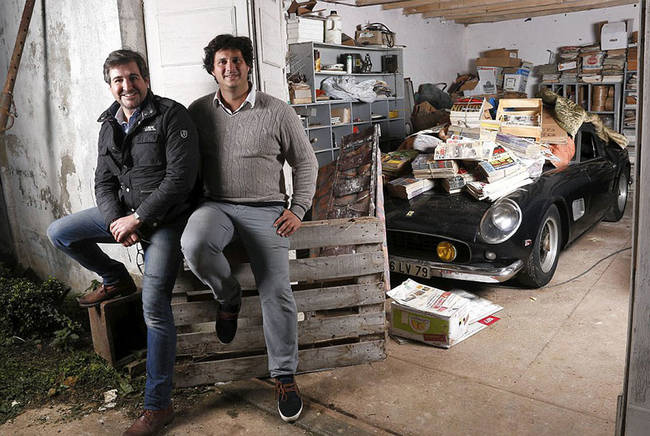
<point>552,365</point>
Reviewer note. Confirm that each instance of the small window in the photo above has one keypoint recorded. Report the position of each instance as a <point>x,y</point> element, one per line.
<point>587,146</point>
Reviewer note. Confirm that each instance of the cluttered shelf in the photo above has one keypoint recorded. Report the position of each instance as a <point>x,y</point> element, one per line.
<point>343,73</point>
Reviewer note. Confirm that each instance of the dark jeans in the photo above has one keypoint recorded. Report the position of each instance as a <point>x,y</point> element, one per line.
<point>77,235</point>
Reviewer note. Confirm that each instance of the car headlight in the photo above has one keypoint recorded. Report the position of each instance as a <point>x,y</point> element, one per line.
<point>500,221</point>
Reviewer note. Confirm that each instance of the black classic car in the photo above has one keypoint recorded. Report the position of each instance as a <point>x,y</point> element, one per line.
<point>520,235</point>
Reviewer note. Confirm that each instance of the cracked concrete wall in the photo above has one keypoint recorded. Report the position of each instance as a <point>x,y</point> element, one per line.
<point>48,158</point>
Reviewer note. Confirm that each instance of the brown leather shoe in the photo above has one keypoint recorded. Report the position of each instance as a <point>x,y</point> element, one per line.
<point>106,292</point>
<point>150,422</point>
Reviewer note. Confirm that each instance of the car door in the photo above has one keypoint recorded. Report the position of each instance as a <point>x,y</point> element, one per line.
<point>600,171</point>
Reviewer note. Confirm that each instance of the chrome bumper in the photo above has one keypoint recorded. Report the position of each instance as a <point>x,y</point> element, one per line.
<point>425,268</point>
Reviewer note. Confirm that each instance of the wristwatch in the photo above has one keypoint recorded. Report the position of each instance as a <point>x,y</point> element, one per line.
<point>137,217</point>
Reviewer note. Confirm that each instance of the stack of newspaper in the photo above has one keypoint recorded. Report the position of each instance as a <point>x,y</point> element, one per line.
<point>494,190</point>
<point>500,165</point>
<point>459,147</point>
<point>426,166</point>
<point>468,112</point>
<point>408,187</point>
<point>523,147</point>
<point>396,162</point>
<point>454,184</point>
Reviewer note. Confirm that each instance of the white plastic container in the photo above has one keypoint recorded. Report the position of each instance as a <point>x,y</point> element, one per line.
<point>333,28</point>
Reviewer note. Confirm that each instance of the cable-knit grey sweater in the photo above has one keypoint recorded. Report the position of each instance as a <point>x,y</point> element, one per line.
<point>243,154</point>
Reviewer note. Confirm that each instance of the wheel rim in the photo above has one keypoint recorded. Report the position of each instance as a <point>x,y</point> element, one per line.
<point>622,192</point>
<point>549,243</point>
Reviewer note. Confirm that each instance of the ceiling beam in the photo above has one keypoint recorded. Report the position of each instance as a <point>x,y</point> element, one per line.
<point>374,2</point>
<point>492,18</point>
<point>496,7</point>
<point>445,4</point>
<point>514,8</point>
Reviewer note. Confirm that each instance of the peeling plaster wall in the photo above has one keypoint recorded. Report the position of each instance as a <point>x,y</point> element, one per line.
<point>434,51</point>
<point>47,159</point>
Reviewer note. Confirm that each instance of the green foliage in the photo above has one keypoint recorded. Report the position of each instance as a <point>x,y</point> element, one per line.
<point>31,374</point>
<point>30,310</point>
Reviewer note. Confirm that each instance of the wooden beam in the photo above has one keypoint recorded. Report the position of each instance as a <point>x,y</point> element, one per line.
<point>447,4</point>
<point>500,6</point>
<point>543,5</point>
<point>374,2</point>
<point>491,18</point>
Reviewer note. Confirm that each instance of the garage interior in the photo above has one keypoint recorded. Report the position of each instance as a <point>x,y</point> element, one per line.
<point>567,358</point>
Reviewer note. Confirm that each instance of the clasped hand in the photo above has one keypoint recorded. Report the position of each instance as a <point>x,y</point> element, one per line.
<point>123,230</point>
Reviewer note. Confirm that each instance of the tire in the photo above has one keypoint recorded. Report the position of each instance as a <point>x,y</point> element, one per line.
<point>621,190</point>
<point>540,265</point>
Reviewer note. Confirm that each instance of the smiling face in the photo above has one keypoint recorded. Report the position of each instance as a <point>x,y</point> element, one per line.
<point>128,86</point>
<point>231,71</point>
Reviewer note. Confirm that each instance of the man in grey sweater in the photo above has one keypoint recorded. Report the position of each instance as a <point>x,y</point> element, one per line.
<point>245,137</point>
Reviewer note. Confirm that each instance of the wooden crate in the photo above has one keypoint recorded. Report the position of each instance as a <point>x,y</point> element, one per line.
<point>340,300</point>
<point>525,107</point>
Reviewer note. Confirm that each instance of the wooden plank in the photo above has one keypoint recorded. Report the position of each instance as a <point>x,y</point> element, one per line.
<point>449,5</point>
<point>636,401</point>
<point>497,6</point>
<point>346,231</point>
<point>560,10</point>
<point>334,297</point>
<point>309,331</point>
<point>319,268</point>
<point>313,359</point>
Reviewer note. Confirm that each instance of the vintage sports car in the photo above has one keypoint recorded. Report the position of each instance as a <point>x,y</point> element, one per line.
<point>520,235</point>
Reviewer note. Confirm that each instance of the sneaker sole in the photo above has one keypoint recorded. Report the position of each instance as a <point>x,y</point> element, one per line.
<point>290,418</point>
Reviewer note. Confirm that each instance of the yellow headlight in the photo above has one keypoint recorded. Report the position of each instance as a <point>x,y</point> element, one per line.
<point>446,251</point>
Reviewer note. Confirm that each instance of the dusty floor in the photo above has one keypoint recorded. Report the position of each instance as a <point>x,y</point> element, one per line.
<point>553,365</point>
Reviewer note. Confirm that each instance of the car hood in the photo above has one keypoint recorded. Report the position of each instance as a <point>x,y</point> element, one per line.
<point>454,216</point>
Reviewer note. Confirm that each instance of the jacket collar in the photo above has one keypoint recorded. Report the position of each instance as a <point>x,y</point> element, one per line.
<point>148,108</point>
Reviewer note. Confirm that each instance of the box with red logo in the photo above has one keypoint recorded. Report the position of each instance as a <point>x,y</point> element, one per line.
<point>436,317</point>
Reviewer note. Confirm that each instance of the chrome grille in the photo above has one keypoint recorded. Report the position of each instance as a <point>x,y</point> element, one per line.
<point>423,246</point>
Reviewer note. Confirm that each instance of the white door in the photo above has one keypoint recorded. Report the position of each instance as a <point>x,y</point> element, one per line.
<point>176,33</point>
<point>270,47</point>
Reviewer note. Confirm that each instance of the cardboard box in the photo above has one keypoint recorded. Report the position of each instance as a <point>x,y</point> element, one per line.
<point>370,37</point>
<point>303,29</point>
<point>502,61</point>
<point>515,82</point>
<point>299,93</point>
<point>500,53</point>
<point>340,115</point>
<point>436,317</point>
<point>613,36</point>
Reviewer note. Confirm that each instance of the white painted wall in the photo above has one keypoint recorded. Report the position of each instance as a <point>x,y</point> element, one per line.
<point>434,51</point>
<point>47,159</point>
<point>536,35</point>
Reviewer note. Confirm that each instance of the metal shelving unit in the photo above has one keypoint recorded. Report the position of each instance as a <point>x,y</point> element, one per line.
<point>389,112</point>
<point>581,93</point>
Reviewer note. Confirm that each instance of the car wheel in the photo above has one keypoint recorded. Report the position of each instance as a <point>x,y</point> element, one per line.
<point>541,263</point>
<point>620,191</point>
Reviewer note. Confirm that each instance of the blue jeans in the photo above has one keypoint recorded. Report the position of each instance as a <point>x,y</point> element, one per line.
<point>77,236</point>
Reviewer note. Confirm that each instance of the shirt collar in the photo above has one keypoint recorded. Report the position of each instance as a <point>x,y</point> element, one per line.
<point>121,118</point>
<point>250,98</point>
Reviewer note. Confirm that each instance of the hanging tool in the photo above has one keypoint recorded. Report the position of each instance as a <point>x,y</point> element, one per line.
<point>7,106</point>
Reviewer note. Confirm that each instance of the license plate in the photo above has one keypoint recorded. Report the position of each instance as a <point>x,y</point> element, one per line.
<point>410,269</point>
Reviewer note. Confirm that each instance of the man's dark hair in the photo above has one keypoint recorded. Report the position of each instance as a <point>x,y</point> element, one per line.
<point>122,57</point>
<point>227,41</point>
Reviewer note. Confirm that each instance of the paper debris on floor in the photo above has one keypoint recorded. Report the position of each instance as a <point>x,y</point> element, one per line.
<point>437,317</point>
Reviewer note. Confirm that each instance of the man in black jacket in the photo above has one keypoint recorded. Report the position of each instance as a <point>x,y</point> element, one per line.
<point>146,170</point>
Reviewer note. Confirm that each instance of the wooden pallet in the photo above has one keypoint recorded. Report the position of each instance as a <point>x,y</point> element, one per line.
<point>340,300</point>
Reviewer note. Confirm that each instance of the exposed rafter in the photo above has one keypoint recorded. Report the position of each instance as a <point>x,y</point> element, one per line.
<point>487,11</point>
